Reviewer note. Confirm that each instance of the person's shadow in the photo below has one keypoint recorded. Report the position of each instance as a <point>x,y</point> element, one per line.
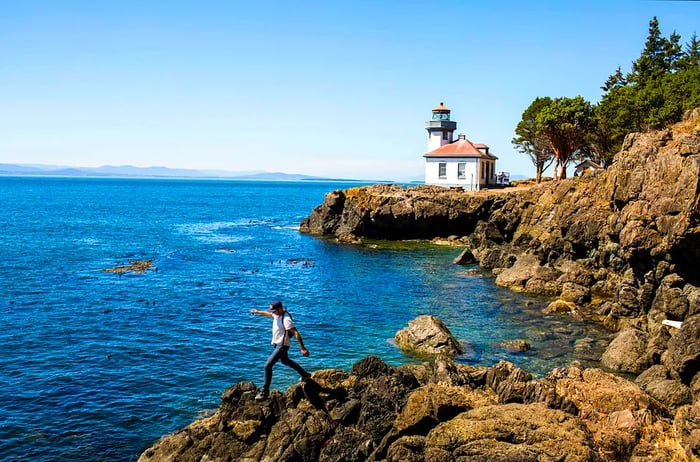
<point>313,392</point>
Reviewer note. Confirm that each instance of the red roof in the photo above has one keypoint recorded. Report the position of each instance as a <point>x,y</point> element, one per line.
<point>460,148</point>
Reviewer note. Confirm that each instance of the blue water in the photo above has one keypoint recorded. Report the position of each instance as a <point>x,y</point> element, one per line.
<point>96,365</point>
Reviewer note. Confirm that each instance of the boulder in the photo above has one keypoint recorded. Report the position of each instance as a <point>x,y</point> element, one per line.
<point>671,393</point>
<point>627,352</point>
<point>657,383</point>
<point>575,293</point>
<point>560,307</point>
<point>520,273</point>
<point>682,357</point>
<point>517,345</point>
<point>427,336</point>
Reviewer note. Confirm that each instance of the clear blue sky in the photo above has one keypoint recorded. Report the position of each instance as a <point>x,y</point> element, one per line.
<point>338,89</point>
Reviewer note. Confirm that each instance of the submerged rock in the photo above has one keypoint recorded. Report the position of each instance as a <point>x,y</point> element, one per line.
<point>517,345</point>
<point>134,266</point>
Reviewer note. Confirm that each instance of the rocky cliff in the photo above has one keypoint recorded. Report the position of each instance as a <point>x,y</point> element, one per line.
<point>620,245</point>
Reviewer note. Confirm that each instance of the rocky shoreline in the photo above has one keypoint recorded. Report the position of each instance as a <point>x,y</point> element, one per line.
<point>619,246</point>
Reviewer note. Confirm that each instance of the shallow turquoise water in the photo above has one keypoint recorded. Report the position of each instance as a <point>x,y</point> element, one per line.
<point>96,366</point>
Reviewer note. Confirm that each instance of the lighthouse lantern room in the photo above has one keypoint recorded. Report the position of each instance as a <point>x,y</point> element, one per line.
<point>440,127</point>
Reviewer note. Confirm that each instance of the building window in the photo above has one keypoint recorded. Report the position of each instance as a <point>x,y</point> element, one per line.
<point>442,170</point>
<point>461,171</point>
<point>445,135</point>
<point>483,173</point>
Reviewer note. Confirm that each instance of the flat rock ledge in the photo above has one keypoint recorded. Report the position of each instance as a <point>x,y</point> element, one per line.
<point>427,336</point>
<point>440,411</point>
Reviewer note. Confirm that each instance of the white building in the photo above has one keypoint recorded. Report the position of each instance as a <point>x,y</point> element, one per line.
<point>459,162</point>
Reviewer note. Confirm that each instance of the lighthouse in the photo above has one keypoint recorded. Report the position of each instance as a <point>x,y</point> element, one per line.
<point>440,128</point>
<point>456,162</point>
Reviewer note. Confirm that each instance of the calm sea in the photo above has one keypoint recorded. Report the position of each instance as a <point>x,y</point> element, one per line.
<point>95,366</point>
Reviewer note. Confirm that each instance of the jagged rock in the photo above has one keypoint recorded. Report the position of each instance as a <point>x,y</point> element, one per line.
<point>465,258</point>
<point>615,410</point>
<point>686,425</point>
<point>508,381</point>
<point>575,293</point>
<point>427,335</point>
<point>444,370</point>
<point>695,387</point>
<point>439,409</point>
<point>670,298</point>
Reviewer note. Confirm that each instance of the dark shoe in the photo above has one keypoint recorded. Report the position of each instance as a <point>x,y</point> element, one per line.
<point>261,396</point>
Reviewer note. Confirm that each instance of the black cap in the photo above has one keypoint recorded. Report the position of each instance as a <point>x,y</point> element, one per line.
<point>276,305</point>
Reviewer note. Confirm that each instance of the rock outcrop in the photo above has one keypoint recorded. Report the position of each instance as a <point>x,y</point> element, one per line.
<point>619,245</point>
<point>440,411</point>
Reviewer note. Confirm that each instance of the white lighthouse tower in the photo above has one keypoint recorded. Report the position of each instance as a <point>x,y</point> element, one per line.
<point>440,128</point>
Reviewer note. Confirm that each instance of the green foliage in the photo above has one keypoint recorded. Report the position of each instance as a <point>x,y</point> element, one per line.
<point>662,85</point>
<point>532,143</point>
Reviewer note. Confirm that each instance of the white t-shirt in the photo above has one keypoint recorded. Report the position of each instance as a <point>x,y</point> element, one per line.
<point>279,331</point>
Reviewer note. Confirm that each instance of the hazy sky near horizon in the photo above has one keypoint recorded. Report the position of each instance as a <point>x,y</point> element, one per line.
<point>340,89</point>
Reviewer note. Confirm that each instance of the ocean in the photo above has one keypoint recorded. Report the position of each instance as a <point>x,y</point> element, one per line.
<point>97,365</point>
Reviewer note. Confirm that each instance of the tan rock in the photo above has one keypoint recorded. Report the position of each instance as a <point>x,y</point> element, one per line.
<point>427,335</point>
<point>560,307</point>
<point>514,432</point>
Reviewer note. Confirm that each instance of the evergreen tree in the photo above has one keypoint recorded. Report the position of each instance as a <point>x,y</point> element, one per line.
<point>662,85</point>
<point>691,56</point>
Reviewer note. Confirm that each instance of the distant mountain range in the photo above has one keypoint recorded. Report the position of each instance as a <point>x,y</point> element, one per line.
<point>128,171</point>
